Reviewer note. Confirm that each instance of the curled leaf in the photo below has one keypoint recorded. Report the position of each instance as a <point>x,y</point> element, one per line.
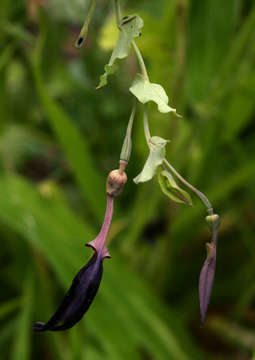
<point>172,190</point>
<point>146,91</point>
<point>156,157</point>
<point>130,28</point>
<point>206,279</point>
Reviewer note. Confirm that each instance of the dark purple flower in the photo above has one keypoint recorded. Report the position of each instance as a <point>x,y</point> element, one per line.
<point>85,284</point>
<point>206,279</point>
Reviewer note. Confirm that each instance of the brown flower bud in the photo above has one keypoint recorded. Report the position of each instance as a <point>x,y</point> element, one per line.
<point>115,182</point>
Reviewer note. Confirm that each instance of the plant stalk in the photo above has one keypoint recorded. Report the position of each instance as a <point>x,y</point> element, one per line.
<point>117,12</point>
<point>146,124</point>
<point>140,61</point>
<point>127,144</point>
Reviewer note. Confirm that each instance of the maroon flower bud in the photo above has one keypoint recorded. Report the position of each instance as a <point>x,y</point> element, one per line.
<point>206,280</point>
<point>208,270</point>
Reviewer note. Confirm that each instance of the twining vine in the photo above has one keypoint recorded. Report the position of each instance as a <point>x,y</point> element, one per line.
<point>86,283</point>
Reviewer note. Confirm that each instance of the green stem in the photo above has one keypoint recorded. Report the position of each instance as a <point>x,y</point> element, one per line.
<point>146,124</point>
<point>117,12</point>
<point>140,61</point>
<point>127,144</point>
<point>199,194</point>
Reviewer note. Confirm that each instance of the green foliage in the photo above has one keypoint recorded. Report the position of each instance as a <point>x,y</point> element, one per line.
<point>145,91</point>
<point>172,190</point>
<point>59,138</point>
<point>157,154</point>
<point>130,29</point>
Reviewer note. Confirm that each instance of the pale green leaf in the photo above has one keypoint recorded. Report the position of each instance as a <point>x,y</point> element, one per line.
<point>172,190</point>
<point>156,157</point>
<point>129,29</point>
<point>146,91</point>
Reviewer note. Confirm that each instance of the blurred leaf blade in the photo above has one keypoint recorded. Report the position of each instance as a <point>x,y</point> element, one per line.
<point>75,147</point>
<point>21,345</point>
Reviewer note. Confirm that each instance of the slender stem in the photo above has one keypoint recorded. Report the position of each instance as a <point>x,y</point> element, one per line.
<point>127,144</point>
<point>146,124</point>
<point>131,120</point>
<point>201,196</point>
<point>215,234</point>
<point>122,167</point>
<point>140,60</point>
<point>98,244</point>
<point>117,12</point>
<point>107,220</point>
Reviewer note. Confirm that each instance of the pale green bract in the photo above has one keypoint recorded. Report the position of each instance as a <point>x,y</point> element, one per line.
<point>146,91</point>
<point>172,190</point>
<point>129,29</point>
<point>156,157</point>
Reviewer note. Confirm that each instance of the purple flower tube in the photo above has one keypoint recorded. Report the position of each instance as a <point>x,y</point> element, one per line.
<point>85,284</point>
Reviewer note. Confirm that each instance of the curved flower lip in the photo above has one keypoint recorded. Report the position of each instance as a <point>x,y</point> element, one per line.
<point>85,284</point>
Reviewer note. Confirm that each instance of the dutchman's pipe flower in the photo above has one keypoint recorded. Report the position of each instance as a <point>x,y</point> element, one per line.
<point>85,284</point>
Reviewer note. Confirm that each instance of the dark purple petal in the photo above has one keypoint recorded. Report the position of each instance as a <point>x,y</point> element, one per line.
<point>78,298</point>
<point>206,280</point>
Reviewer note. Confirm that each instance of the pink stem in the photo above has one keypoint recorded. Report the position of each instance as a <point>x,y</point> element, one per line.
<point>98,244</point>
<point>107,221</point>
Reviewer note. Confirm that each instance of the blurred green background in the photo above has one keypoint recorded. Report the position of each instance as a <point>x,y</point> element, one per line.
<point>59,138</point>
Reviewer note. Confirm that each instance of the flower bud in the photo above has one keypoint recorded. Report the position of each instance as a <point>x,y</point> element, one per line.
<point>115,182</point>
<point>206,280</point>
